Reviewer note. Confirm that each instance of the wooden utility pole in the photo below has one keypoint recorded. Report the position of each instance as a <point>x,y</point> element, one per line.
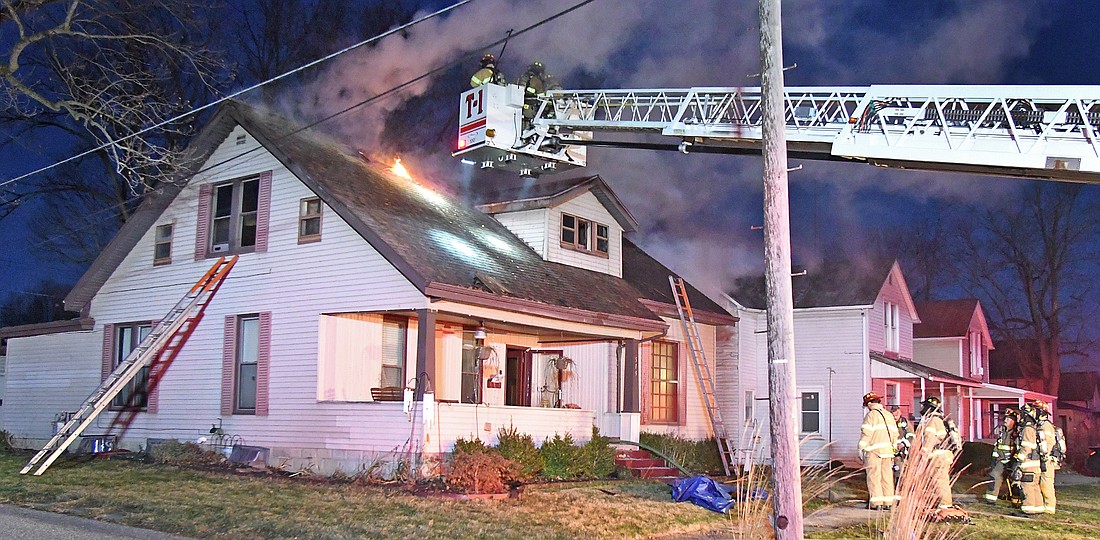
<point>787,492</point>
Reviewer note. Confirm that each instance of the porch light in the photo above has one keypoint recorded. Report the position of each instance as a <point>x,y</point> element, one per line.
<point>480,333</point>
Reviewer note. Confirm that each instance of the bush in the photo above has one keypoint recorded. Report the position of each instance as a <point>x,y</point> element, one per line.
<point>560,458</point>
<point>472,446</point>
<point>6,441</point>
<point>596,459</point>
<point>692,455</point>
<point>186,454</point>
<point>481,472</point>
<point>521,449</point>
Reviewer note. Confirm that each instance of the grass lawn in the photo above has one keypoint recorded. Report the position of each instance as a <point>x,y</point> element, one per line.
<point>221,505</point>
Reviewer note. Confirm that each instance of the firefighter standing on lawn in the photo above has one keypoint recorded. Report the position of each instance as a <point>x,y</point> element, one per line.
<point>877,442</point>
<point>1004,454</point>
<point>1037,464</point>
<point>940,440</point>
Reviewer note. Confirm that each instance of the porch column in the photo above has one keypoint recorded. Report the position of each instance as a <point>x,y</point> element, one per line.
<point>631,401</point>
<point>425,350</point>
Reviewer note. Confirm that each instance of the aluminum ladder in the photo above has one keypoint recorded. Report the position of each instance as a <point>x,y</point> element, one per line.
<point>188,308</point>
<point>702,372</point>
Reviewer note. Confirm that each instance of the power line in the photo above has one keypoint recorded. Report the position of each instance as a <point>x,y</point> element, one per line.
<point>384,93</point>
<point>239,92</point>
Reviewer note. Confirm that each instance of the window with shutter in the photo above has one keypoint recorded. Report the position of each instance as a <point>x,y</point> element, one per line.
<point>233,216</point>
<point>126,339</point>
<point>247,360</point>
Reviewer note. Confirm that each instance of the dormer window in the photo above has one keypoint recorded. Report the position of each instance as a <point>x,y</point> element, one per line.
<point>584,235</point>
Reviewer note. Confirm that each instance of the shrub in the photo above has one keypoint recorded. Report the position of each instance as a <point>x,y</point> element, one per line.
<point>5,441</point>
<point>481,472</point>
<point>692,455</point>
<point>187,454</point>
<point>596,459</point>
<point>520,448</point>
<point>560,458</point>
<point>472,446</point>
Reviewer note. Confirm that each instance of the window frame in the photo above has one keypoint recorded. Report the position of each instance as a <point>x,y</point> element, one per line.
<point>802,412</point>
<point>304,215</point>
<point>403,353</point>
<point>236,216</point>
<point>664,406</point>
<point>238,364</point>
<point>586,235</point>
<point>896,387</point>
<point>891,327</point>
<point>157,242</point>
<point>120,401</point>
<point>976,367</point>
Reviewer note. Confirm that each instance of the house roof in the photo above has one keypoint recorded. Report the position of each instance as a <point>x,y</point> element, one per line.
<point>1078,386</point>
<point>1005,359</point>
<point>536,195</point>
<point>946,318</point>
<point>650,277</point>
<point>444,247</point>
<point>923,371</point>
<point>833,283</point>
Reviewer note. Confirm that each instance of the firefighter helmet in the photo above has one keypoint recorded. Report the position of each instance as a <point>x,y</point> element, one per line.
<point>871,397</point>
<point>488,60</point>
<point>930,405</point>
<point>1028,413</point>
<point>1011,413</point>
<point>1041,405</point>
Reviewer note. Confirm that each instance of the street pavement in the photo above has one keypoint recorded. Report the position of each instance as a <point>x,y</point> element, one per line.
<point>25,524</point>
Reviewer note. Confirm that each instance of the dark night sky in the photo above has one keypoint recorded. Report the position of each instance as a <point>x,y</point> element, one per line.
<point>696,211</point>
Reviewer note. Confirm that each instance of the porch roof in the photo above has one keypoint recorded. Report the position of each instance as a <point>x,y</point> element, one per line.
<point>908,369</point>
<point>997,391</point>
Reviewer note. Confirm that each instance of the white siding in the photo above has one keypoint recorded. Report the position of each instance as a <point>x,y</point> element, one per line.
<point>45,376</point>
<point>297,283</point>
<point>897,294</point>
<point>530,226</point>
<point>945,354</point>
<point>586,206</point>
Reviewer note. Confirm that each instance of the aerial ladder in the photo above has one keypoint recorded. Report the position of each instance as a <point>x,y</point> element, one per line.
<point>726,448</point>
<point>1040,132</point>
<point>168,335</point>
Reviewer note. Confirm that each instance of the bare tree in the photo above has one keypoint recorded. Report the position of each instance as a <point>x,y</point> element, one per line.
<point>102,65</point>
<point>1033,269</point>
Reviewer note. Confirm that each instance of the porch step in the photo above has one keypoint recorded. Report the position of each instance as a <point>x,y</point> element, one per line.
<point>643,464</point>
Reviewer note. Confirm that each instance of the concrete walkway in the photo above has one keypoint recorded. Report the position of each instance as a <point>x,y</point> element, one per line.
<point>25,524</point>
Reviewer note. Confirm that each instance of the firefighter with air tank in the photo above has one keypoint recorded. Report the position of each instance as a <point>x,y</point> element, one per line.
<point>1004,455</point>
<point>905,441</point>
<point>940,440</point>
<point>1039,448</point>
<point>877,445</point>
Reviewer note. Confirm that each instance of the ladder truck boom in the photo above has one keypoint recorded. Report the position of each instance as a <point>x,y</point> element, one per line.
<point>1042,132</point>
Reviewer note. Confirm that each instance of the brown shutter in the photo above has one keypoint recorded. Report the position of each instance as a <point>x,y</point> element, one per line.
<point>202,226</point>
<point>645,373</point>
<point>263,212</point>
<point>682,386</point>
<point>229,353</point>
<point>153,393</point>
<point>108,360</point>
<point>263,367</point>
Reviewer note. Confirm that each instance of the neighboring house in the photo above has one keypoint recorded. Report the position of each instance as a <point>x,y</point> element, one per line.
<point>953,337</point>
<point>1078,413</point>
<point>848,320</point>
<point>352,283</point>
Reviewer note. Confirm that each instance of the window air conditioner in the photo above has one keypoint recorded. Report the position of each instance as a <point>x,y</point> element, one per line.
<point>218,248</point>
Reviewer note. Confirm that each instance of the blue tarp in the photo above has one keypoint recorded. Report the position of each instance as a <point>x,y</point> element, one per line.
<point>705,492</point>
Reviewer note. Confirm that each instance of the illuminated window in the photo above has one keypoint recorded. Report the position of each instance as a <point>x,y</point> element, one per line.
<point>811,412</point>
<point>162,244</point>
<point>309,220</point>
<point>584,235</point>
<point>664,392</point>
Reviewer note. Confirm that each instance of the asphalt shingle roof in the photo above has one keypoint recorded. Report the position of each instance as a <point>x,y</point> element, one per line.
<point>946,318</point>
<point>832,283</point>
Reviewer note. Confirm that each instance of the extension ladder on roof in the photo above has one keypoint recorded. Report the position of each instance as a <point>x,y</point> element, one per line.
<point>702,371</point>
<point>189,308</point>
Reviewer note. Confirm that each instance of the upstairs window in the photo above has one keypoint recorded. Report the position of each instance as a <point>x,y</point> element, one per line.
<point>976,367</point>
<point>891,329</point>
<point>162,244</point>
<point>309,220</point>
<point>584,235</point>
<point>233,217</point>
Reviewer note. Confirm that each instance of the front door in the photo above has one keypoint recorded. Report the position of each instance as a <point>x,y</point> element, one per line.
<point>517,377</point>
